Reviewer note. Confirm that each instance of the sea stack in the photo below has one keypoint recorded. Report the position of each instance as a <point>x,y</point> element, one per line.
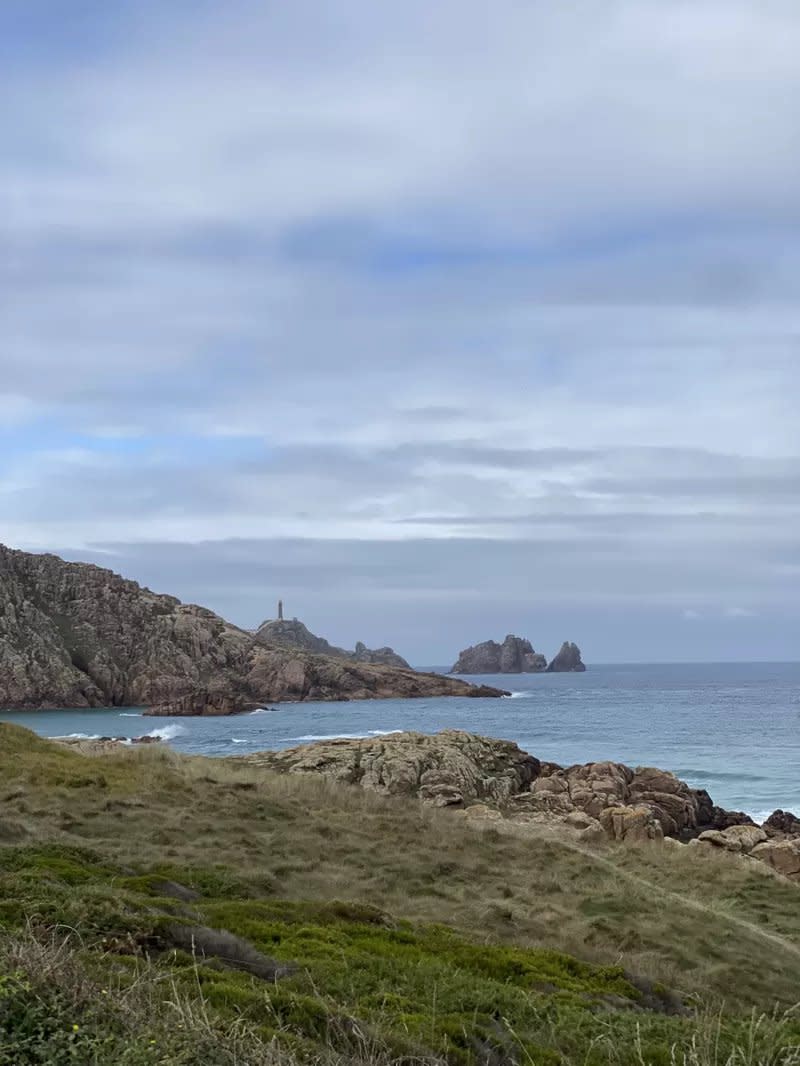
<point>514,656</point>
<point>568,660</point>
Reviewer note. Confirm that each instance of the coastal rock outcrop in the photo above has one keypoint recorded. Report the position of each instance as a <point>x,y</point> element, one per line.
<point>76,635</point>
<point>514,656</point>
<point>782,855</point>
<point>496,782</point>
<point>567,660</point>
<point>292,633</point>
<point>445,769</point>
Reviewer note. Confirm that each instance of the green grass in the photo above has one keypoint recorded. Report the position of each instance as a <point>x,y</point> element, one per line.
<point>414,937</point>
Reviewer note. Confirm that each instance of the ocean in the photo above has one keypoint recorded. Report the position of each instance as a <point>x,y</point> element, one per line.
<point>733,729</point>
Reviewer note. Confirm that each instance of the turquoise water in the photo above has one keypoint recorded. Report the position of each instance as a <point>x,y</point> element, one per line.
<point>733,729</point>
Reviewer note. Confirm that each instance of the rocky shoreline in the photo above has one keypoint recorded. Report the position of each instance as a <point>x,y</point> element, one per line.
<point>75,635</point>
<point>494,781</point>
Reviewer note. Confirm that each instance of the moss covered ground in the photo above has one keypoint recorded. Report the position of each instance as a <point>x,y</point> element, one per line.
<point>142,896</point>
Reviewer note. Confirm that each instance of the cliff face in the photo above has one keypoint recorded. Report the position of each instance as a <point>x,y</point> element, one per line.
<point>293,634</point>
<point>76,635</point>
<point>514,656</point>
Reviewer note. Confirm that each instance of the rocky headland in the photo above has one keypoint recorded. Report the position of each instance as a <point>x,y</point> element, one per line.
<point>489,780</point>
<point>292,633</point>
<point>77,635</point>
<point>516,656</point>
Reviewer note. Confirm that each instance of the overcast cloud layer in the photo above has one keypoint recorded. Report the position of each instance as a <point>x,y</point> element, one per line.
<point>437,320</point>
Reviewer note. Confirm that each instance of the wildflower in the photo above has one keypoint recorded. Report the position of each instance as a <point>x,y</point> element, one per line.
<point>75,1028</point>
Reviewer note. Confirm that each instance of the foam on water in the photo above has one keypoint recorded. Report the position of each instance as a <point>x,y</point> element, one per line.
<point>167,732</point>
<point>731,728</point>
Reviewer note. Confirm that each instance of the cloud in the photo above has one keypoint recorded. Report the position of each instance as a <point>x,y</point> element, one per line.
<point>739,612</point>
<point>507,306</point>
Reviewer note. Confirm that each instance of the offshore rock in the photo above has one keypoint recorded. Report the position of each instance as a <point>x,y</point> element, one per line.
<point>568,660</point>
<point>76,635</point>
<point>514,656</point>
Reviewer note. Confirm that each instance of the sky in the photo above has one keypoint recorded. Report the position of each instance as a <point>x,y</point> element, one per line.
<point>439,321</point>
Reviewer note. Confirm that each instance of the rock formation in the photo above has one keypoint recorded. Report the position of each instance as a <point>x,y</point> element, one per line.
<point>456,768</point>
<point>446,769</point>
<point>379,656</point>
<point>568,660</point>
<point>293,634</point>
<point>495,781</point>
<point>514,656</point>
<point>76,635</point>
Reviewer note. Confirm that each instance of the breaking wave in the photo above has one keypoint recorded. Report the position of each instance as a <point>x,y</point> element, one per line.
<point>308,737</point>
<point>759,817</point>
<point>167,732</point>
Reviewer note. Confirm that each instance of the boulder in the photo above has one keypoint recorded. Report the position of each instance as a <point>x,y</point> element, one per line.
<point>636,824</point>
<point>781,855</point>
<point>595,786</point>
<point>740,838</point>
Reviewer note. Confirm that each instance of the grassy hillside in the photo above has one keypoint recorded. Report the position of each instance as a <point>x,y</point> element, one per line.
<point>147,899</point>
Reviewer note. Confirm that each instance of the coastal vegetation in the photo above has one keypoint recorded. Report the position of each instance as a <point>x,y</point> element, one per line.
<point>156,909</point>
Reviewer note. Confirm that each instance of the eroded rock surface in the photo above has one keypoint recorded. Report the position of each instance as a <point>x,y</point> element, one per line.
<point>514,656</point>
<point>455,768</point>
<point>567,660</point>
<point>446,769</point>
<point>496,782</point>
<point>292,633</point>
<point>76,635</point>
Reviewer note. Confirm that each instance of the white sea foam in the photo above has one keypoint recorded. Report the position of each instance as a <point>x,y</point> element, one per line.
<point>167,732</point>
<point>237,740</point>
<point>264,710</point>
<point>130,714</point>
<point>383,732</point>
<point>520,695</point>
<point>307,737</point>
<point>79,736</point>
<point>759,817</point>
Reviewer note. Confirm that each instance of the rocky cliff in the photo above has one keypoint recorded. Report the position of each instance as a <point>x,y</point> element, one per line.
<point>514,656</point>
<point>76,635</point>
<point>568,660</point>
<point>291,633</point>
